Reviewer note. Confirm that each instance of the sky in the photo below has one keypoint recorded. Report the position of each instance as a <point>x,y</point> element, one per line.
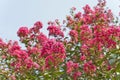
<point>17,13</point>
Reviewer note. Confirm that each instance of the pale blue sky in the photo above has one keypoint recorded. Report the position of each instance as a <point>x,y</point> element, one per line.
<point>16,13</point>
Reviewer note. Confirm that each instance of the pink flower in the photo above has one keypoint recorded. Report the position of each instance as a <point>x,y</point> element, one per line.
<point>36,28</point>
<point>76,75</point>
<point>109,67</point>
<point>2,44</point>
<point>54,52</point>
<point>53,47</point>
<point>85,33</point>
<point>89,67</point>
<point>20,54</point>
<point>87,19</point>
<point>74,35</point>
<point>50,61</point>
<point>83,57</point>
<point>47,47</point>
<point>113,30</point>
<point>38,25</point>
<point>13,77</point>
<point>75,65</point>
<point>84,49</point>
<point>36,65</point>
<point>103,36</point>
<point>12,47</point>
<point>22,32</point>
<point>29,63</point>
<point>78,15</point>
<point>87,9</point>
<point>73,8</point>
<point>71,66</point>
<point>58,47</point>
<point>55,31</point>
<point>33,50</point>
<point>101,56</point>
<point>17,65</point>
<point>4,56</point>
<point>42,38</point>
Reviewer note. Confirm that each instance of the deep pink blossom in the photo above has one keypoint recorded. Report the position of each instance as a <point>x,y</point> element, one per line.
<point>42,38</point>
<point>87,9</point>
<point>20,54</point>
<point>86,52</point>
<point>76,75</point>
<point>33,50</point>
<point>85,33</point>
<point>49,61</point>
<point>54,52</point>
<point>22,32</point>
<point>89,67</point>
<point>103,36</point>
<point>38,25</point>
<point>55,31</point>
<point>87,19</point>
<point>71,66</point>
<point>13,47</point>
<point>17,65</point>
<point>53,47</point>
<point>83,57</point>
<point>78,15</point>
<point>36,28</point>
<point>109,67</point>
<point>84,49</point>
<point>47,47</point>
<point>58,47</point>
<point>74,35</point>
<point>28,63</point>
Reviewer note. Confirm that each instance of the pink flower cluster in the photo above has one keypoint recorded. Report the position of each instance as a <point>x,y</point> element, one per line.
<point>85,33</point>
<point>22,57</point>
<point>87,9</point>
<point>96,33</point>
<point>23,31</point>
<point>89,67</point>
<point>89,51</point>
<point>74,35</point>
<point>42,38</point>
<point>2,44</point>
<point>37,26</point>
<point>72,68</point>
<point>55,31</point>
<point>53,52</point>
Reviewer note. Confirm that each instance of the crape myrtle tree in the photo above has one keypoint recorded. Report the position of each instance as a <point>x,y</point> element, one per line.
<point>90,51</point>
